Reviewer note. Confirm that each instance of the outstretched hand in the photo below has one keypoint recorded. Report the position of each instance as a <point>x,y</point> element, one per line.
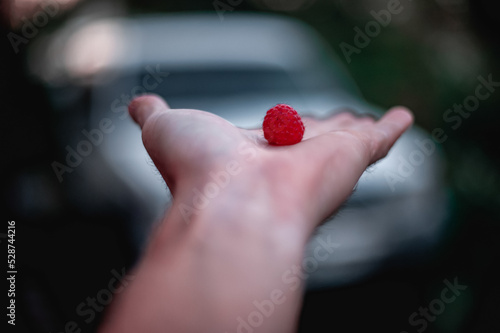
<point>186,145</point>
<point>242,213</point>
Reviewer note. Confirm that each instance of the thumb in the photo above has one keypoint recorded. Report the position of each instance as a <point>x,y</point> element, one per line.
<point>143,107</point>
<point>144,110</point>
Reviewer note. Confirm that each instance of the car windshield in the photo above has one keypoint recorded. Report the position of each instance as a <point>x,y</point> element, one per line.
<point>224,82</point>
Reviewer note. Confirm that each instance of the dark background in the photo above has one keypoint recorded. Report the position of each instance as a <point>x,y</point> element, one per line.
<point>427,59</point>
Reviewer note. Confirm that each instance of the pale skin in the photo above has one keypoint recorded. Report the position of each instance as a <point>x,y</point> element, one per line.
<point>203,271</point>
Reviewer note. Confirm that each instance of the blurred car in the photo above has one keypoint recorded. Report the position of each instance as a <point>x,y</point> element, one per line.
<point>238,68</point>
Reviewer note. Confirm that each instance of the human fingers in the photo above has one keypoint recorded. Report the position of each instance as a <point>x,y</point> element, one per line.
<point>384,133</point>
<point>143,107</point>
<point>340,156</point>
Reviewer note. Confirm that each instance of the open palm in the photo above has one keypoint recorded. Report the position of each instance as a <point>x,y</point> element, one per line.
<point>186,145</point>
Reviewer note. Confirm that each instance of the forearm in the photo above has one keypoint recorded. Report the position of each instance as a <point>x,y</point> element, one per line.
<point>210,270</point>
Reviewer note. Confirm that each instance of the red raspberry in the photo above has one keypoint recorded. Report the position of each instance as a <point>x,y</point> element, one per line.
<point>282,126</point>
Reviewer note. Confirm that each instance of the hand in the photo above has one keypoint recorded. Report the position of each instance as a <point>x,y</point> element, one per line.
<point>242,212</point>
<point>321,171</point>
